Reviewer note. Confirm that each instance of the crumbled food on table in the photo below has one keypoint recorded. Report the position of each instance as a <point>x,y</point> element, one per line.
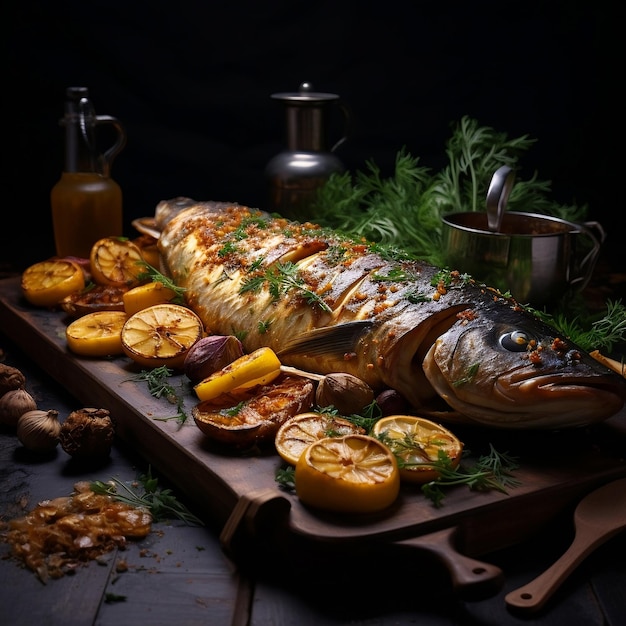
<point>60,534</point>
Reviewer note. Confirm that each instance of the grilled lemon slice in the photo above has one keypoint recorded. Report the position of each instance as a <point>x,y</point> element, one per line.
<point>349,474</point>
<point>143,296</point>
<point>161,335</point>
<point>46,283</point>
<point>300,431</point>
<point>116,261</point>
<point>417,444</point>
<point>96,334</point>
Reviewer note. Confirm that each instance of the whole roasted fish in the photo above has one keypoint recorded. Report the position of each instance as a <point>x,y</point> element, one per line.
<point>454,348</point>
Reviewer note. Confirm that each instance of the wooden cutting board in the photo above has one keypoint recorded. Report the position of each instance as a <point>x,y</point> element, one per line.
<point>241,495</point>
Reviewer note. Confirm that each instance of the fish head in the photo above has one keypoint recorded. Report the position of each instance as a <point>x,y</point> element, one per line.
<point>502,367</point>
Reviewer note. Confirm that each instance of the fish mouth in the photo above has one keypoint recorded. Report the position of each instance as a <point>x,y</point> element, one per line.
<point>548,401</point>
<point>554,401</point>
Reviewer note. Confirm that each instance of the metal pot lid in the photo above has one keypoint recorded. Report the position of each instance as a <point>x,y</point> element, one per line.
<point>305,94</point>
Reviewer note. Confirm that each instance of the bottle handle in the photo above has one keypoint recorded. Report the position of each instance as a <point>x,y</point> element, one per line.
<point>108,156</point>
<point>347,118</point>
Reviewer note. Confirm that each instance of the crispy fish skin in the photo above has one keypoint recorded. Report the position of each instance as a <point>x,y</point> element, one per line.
<point>326,303</point>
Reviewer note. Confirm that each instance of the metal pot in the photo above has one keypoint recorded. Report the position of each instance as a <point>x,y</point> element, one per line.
<point>537,258</point>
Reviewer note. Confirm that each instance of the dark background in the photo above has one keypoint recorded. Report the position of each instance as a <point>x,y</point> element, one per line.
<point>191,82</point>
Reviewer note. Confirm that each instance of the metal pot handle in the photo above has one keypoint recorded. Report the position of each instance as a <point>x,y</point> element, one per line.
<point>597,234</point>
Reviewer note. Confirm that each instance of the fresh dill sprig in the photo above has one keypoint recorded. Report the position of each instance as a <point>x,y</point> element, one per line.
<point>601,333</point>
<point>286,477</point>
<point>405,208</point>
<point>145,493</point>
<point>493,471</point>
<point>368,417</point>
<point>159,386</point>
<point>280,279</point>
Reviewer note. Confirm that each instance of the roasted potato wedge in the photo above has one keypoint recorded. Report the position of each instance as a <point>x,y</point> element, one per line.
<point>94,298</point>
<point>250,418</point>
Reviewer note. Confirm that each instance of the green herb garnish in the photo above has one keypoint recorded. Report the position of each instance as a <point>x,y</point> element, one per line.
<point>601,332</point>
<point>472,370</point>
<point>153,274</point>
<point>263,326</point>
<point>159,386</point>
<point>280,279</point>
<point>145,493</point>
<point>491,471</point>
<point>228,248</point>
<point>405,208</point>
<point>286,477</point>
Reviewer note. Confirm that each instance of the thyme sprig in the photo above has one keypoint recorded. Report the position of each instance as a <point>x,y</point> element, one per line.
<point>146,493</point>
<point>159,386</point>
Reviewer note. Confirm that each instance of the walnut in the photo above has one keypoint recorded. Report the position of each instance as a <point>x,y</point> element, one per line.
<point>88,433</point>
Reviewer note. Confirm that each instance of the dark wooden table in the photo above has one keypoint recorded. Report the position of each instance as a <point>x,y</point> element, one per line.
<point>179,574</point>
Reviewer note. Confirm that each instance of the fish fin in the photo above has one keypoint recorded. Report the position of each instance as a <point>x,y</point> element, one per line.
<point>147,226</point>
<point>327,340</point>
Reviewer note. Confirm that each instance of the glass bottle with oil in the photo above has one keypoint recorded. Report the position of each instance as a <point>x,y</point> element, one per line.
<point>86,202</point>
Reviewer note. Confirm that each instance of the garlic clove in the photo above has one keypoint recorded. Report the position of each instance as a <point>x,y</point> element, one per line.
<point>38,430</point>
<point>10,378</point>
<point>13,404</point>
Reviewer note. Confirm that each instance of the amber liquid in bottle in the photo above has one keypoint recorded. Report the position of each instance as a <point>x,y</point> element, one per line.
<point>86,202</point>
<point>85,207</point>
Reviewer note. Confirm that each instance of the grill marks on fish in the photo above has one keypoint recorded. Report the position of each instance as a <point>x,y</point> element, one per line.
<point>326,303</point>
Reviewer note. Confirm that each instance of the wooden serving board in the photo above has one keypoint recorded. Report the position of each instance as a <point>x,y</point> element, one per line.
<point>241,494</point>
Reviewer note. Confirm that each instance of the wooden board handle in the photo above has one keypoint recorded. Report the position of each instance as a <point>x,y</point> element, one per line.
<point>251,515</point>
<point>471,579</point>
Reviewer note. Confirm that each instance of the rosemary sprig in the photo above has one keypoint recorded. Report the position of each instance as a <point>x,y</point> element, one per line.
<point>159,386</point>
<point>145,493</point>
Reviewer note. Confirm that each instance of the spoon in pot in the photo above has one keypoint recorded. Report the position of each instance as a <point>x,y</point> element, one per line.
<point>599,516</point>
<point>498,195</point>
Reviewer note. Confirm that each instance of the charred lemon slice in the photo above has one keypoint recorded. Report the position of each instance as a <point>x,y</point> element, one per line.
<point>46,283</point>
<point>300,431</point>
<point>417,443</point>
<point>96,334</point>
<point>160,335</point>
<point>350,474</point>
<point>116,261</point>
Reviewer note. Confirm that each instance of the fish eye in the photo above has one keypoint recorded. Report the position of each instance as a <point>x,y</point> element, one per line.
<point>515,341</point>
